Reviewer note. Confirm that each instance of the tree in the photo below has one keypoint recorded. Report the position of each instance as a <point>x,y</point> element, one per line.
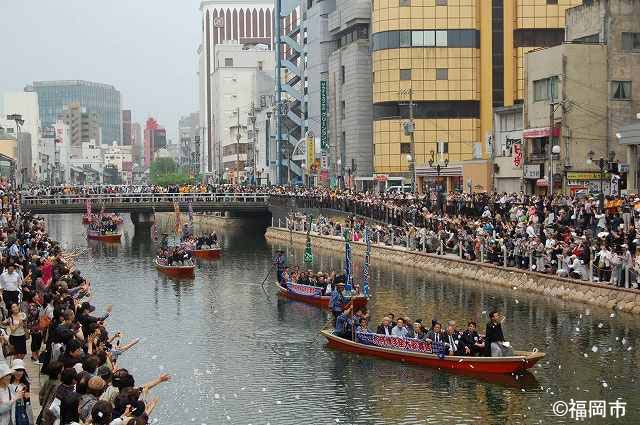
<point>164,171</point>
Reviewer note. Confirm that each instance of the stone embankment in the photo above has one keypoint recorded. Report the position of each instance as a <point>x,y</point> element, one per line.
<point>627,300</point>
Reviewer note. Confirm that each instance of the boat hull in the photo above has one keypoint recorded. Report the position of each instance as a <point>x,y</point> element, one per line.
<point>207,254</point>
<point>114,238</point>
<point>318,301</point>
<point>470,365</point>
<point>176,271</point>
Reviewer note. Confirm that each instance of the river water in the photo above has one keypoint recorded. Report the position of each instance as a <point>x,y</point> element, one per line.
<point>239,355</point>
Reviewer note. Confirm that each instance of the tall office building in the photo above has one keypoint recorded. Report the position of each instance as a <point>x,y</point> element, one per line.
<point>83,125</point>
<point>137,142</point>
<point>456,60</point>
<point>26,105</point>
<point>155,138</point>
<point>247,22</point>
<point>103,99</point>
<point>126,127</point>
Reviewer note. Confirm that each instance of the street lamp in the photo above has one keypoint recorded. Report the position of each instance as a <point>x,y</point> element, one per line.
<point>340,176</point>
<point>602,165</point>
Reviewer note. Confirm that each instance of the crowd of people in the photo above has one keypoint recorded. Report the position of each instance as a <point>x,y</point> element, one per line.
<point>47,320</point>
<point>569,236</point>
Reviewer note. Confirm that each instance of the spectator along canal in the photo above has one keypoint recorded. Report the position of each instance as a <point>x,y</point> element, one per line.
<point>240,355</point>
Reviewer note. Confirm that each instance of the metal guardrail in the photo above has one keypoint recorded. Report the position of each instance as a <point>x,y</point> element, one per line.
<point>145,198</point>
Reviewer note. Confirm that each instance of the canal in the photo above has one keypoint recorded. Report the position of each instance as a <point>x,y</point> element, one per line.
<point>240,355</point>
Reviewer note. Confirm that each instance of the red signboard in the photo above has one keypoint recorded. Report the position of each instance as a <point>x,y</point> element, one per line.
<point>534,133</point>
<point>517,155</point>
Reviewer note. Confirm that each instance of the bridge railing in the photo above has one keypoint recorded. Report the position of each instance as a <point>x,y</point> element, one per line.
<point>143,198</point>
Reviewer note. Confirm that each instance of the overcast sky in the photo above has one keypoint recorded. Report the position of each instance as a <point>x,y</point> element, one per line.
<point>145,48</point>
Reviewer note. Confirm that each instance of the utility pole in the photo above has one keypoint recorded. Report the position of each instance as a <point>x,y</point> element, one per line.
<point>254,161</point>
<point>237,173</point>
<point>552,110</point>
<point>278,46</point>
<point>409,129</point>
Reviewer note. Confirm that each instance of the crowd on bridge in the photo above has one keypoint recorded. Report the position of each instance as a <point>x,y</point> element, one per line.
<point>571,236</point>
<point>48,321</point>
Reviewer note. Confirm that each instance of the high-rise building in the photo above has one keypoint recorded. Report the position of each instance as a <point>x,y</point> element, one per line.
<point>155,138</point>
<point>453,61</point>
<point>26,105</point>
<point>126,127</point>
<point>351,110</point>
<point>249,23</point>
<point>188,142</point>
<point>137,142</point>
<point>83,125</point>
<point>103,99</point>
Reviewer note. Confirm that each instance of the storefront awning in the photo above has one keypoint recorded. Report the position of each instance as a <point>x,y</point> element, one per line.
<point>534,133</point>
<point>542,183</point>
<point>451,171</point>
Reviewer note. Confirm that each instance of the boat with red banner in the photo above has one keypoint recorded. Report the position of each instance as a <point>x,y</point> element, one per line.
<point>409,350</point>
<point>313,295</point>
<point>174,270</point>
<point>103,236</point>
<point>207,254</point>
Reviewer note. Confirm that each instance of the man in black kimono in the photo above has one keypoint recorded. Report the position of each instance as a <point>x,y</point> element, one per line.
<point>494,332</point>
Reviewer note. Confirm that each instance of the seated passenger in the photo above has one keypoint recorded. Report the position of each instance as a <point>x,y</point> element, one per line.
<point>471,340</point>
<point>452,340</point>
<point>435,334</point>
<point>399,329</point>
<point>344,324</point>
<point>385,327</point>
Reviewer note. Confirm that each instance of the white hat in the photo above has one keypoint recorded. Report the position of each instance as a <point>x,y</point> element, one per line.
<point>18,364</point>
<point>5,371</point>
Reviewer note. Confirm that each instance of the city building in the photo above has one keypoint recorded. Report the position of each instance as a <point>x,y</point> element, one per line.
<point>137,142</point>
<point>248,22</point>
<point>506,149</point>
<point>8,154</point>
<point>54,167</point>
<point>119,157</point>
<point>18,147</point>
<point>573,118</point>
<point>449,63</point>
<point>102,99</point>
<point>235,86</point>
<point>87,164</point>
<point>26,105</point>
<point>260,132</point>
<point>84,125</point>
<point>155,138</point>
<point>127,136</point>
<point>189,143</point>
<point>350,108</point>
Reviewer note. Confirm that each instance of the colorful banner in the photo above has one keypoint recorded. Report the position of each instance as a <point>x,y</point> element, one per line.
<point>154,227</point>
<point>311,153</point>
<point>176,208</point>
<point>347,263</point>
<point>306,290</point>
<point>308,253</point>
<point>88,207</point>
<point>324,127</point>
<point>367,258</point>
<point>394,342</point>
<point>190,214</point>
<point>517,155</point>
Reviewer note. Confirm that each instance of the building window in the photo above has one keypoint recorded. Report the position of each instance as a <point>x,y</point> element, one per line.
<point>631,41</point>
<point>405,147</point>
<point>405,75</point>
<point>342,74</point>
<point>545,89</point>
<point>373,76</point>
<point>442,74</point>
<point>621,90</point>
<point>343,109</point>
<point>441,38</point>
<point>228,62</point>
<point>441,2</point>
<point>552,1</point>
<point>405,3</point>
<point>259,65</point>
<point>405,38</point>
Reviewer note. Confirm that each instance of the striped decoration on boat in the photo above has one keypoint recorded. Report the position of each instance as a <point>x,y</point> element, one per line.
<point>305,290</point>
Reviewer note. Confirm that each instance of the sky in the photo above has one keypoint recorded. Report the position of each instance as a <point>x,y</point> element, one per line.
<point>147,49</point>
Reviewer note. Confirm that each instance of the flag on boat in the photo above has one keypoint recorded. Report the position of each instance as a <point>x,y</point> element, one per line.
<point>347,263</point>
<point>88,207</point>
<point>154,227</point>
<point>190,211</point>
<point>308,253</point>
<point>367,258</point>
<point>176,207</point>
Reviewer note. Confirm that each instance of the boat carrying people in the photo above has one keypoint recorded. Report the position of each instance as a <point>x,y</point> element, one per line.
<point>105,229</point>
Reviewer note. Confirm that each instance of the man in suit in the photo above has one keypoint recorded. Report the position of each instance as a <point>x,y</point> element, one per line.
<point>472,342</point>
<point>493,334</point>
<point>452,340</point>
<point>385,327</point>
<point>435,334</point>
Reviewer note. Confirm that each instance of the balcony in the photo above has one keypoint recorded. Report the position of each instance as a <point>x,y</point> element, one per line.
<point>358,11</point>
<point>334,21</point>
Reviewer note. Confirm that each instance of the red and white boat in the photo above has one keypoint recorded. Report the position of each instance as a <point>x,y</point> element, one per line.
<point>313,295</point>
<point>207,254</point>
<point>184,271</point>
<point>418,352</point>
<point>104,237</point>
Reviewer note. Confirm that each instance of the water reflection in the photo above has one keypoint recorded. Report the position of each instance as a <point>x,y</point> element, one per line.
<point>242,356</point>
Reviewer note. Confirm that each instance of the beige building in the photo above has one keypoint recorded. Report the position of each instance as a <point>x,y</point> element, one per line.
<point>579,94</point>
<point>83,124</point>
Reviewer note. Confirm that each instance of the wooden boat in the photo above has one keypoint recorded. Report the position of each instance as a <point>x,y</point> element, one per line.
<point>206,253</point>
<point>521,361</point>
<point>175,270</point>
<point>313,295</point>
<point>104,237</point>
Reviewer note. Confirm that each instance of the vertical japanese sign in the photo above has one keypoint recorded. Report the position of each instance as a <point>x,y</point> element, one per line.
<point>324,128</point>
<point>517,155</point>
<point>311,152</point>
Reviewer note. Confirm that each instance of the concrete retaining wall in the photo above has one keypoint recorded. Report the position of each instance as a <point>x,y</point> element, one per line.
<point>627,300</point>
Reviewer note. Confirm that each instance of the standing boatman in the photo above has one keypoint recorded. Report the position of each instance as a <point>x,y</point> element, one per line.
<point>279,262</point>
<point>338,300</point>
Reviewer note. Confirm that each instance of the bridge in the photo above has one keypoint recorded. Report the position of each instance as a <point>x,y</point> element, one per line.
<point>142,205</point>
